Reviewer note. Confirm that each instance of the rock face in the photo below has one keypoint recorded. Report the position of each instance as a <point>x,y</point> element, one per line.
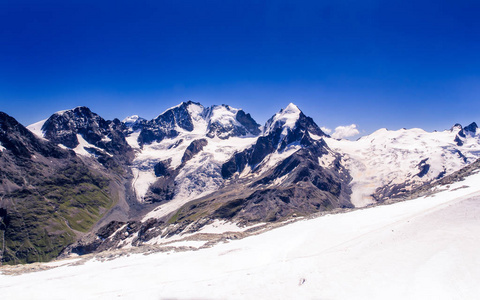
<point>22,143</point>
<point>298,185</point>
<point>472,128</point>
<point>288,126</point>
<point>194,148</point>
<point>47,195</point>
<point>67,127</point>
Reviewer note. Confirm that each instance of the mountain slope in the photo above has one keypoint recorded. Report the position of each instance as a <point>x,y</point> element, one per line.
<point>48,196</point>
<point>426,247</point>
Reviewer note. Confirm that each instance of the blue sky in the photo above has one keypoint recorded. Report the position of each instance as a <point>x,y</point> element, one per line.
<point>373,63</point>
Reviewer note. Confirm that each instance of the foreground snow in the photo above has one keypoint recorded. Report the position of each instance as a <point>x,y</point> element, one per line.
<point>425,248</point>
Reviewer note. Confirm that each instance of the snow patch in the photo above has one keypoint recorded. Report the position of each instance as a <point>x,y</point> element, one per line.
<point>222,226</point>
<point>82,144</point>
<point>327,160</point>
<point>142,181</point>
<point>36,128</point>
<point>132,139</point>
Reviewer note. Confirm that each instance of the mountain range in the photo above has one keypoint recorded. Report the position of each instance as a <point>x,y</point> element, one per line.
<point>77,183</point>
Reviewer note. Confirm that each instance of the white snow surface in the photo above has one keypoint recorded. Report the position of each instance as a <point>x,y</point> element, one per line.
<point>425,248</point>
<point>224,115</point>
<point>285,118</point>
<point>131,119</point>
<point>221,226</point>
<point>1,147</point>
<point>36,128</point>
<point>200,176</point>
<point>392,157</point>
<point>82,143</point>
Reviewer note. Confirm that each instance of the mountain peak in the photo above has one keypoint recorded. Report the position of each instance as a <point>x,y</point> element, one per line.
<point>291,108</point>
<point>286,118</point>
<point>471,128</point>
<point>133,121</point>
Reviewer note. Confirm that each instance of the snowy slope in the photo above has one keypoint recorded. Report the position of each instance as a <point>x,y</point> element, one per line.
<point>425,248</point>
<point>395,157</point>
<point>201,174</point>
<point>36,128</point>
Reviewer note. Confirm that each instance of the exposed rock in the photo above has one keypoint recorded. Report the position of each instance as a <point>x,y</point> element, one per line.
<point>63,128</point>
<point>162,168</point>
<point>194,148</point>
<point>248,122</point>
<point>472,128</point>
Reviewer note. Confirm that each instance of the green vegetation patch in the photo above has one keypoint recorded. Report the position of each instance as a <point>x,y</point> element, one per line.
<point>41,220</point>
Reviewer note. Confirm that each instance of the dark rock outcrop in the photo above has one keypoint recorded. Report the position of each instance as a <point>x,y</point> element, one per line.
<point>472,128</point>
<point>194,148</point>
<point>63,128</point>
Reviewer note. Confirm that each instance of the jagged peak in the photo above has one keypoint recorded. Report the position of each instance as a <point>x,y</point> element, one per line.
<point>78,109</point>
<point>221,113</point>
<point>132,120</point>
<point>291,108</point>
<point>286,118</point>
<point>471,128</point>
<point>457,126</point>
<point>183,105</point>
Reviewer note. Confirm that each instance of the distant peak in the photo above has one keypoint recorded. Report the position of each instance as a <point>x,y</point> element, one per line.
<point>457,126</point>
<point>471,128</point>
<point>81,109</point>
<point>134,117</point>
<point>190,102</point>
<point>291,108</point>
<point>130,121</point>
<point>286,118</point>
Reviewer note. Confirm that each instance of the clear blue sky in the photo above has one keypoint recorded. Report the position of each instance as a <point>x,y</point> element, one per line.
<point>377,64</point>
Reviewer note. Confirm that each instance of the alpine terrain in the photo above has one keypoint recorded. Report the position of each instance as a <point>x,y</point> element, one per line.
<point>194,176</point>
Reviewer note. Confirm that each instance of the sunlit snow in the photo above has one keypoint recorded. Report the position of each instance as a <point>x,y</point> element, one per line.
<point>425,248</point>
<point>36,128</point>
<point>392,157</point>
<point>286,118</point>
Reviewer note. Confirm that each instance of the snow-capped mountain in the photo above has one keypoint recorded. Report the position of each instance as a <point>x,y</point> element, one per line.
<point>85,132</point>
<point>285,133</point>
<point>179,153</point>
<point>197,177</point>
<point>220,121</point>
<point>194,166</point>
<point>386,164</point>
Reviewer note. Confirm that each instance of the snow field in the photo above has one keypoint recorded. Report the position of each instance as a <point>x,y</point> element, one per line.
<point>392,157</point>
<point>425,248</point>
